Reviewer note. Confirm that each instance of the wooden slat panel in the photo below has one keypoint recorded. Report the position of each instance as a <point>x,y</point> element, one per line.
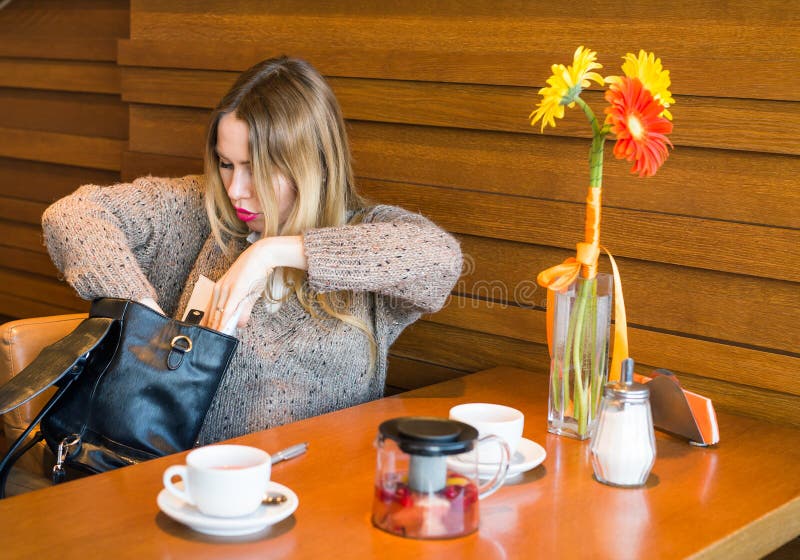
<point>21,236</point>
<point>187,130</point>
<point>69,149</point>
<point>56,19</point>
<point>700,122</point>
<point>406,374</point>
<point>137,164</point>
<point>686,241</point>
<point>83,48</point>
<point>770,10</point>
<point>84,114</point>
<point>62,124</point>
<point>713,245</point>
<point>710,359</point>
<point>493,318</point>
<point>754,188</point>
<point>391,390</point>
<point>742,309</point>
<point>27,261</point>
<point>22,308</point>
<point>711,304</point>
<point>20,210</point>
<point>451,64</point>
<point>703,122</point>
<point>97,77</point>
<point>189,88</point>
<point>38,288</point>
<point>47,182</point>
<point>703,303</point>
<point>757,188</point>
<point>468,350</point>
<point>474,44</point>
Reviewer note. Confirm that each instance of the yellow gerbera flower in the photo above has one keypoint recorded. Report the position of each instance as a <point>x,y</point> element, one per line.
<point>648,69</point>
<point>565,85</point>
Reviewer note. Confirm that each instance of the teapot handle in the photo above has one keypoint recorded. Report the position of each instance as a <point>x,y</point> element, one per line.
<point>505,451</point>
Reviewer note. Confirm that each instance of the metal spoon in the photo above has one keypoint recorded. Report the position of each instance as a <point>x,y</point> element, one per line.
<point>274,499</point>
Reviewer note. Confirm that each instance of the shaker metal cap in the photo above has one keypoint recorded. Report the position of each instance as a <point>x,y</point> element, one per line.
<point>626,387</point>
<point>631,390</point>
<point>429,436</point>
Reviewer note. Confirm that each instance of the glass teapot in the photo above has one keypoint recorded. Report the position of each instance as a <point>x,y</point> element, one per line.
<point>426,481</point>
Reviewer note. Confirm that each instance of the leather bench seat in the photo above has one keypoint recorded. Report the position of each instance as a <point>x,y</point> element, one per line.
<point>20,342</point>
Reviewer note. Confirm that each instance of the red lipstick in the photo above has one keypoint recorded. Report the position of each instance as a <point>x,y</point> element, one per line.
<point>246,215</point>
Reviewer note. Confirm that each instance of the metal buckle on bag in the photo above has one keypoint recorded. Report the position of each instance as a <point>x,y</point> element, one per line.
<point>175,346</point>
<point>61,455</point>
<point>180,345</point>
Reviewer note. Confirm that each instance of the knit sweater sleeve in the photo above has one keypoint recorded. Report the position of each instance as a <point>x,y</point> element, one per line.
<point>392,252</point>
<point>132,240</point>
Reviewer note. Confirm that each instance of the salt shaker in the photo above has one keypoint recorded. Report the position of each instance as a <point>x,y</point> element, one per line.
<point>624,446</point>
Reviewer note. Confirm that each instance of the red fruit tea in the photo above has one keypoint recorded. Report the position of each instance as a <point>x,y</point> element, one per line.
<point>450,512</point>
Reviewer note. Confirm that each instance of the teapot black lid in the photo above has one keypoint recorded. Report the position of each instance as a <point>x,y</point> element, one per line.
<point>422,435</point>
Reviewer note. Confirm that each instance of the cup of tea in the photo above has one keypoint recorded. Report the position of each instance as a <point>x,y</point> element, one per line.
<point>491,419</point>
<point>222,480</point>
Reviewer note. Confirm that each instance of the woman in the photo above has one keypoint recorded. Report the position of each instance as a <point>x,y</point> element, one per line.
<point>318,283</point>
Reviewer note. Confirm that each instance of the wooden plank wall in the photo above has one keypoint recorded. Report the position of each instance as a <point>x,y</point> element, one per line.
<point>436,95</point>
<point>62,123</point>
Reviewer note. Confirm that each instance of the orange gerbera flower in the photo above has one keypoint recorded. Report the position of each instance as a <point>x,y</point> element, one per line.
<point>636,121</point>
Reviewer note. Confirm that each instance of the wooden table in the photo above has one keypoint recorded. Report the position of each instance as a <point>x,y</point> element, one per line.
<point>739,500</point>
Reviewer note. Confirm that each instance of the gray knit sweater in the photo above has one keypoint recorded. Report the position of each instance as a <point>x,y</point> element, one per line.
<point>150,238</point>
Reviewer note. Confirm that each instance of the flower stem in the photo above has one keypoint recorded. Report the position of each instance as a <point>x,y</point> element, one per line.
<point>566,391</point>
<point>595,365</point>
<point>598,142</point>
<point>584,389</point>
<point>579,403</point>
<point>577,366</point>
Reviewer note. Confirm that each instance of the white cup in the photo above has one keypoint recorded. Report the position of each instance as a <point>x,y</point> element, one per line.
<point>222,480</point>
<point>491,419</point>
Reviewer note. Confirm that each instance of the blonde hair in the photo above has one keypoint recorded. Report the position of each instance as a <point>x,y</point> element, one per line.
<point>296,129</point>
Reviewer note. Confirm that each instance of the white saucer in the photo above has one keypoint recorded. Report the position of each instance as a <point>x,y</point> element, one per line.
<point>263,517</point>
<point>528,455</point>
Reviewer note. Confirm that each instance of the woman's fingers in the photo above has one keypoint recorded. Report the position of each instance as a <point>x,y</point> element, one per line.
<point>238,289</point>
<point>219,304</point>
<point>232,304</point>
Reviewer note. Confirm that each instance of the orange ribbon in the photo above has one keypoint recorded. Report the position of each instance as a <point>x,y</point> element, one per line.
<point>558,278</point>
<point>620,351</point>
<point>592,227</point>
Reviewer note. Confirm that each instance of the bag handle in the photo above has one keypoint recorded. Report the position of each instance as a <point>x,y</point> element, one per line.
<point>54,362</point>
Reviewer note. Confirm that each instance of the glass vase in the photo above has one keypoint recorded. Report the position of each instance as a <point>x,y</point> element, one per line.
<point>579,331</point>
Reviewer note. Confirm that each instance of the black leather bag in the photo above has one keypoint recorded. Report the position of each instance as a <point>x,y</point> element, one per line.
<point>133,385</point>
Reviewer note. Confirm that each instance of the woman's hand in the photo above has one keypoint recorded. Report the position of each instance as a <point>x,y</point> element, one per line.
<point>237,290</point>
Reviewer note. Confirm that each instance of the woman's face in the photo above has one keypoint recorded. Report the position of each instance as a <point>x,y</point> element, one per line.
<point>233,151</point>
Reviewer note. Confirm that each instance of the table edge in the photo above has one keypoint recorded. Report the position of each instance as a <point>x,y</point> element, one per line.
<point>762,536</point>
